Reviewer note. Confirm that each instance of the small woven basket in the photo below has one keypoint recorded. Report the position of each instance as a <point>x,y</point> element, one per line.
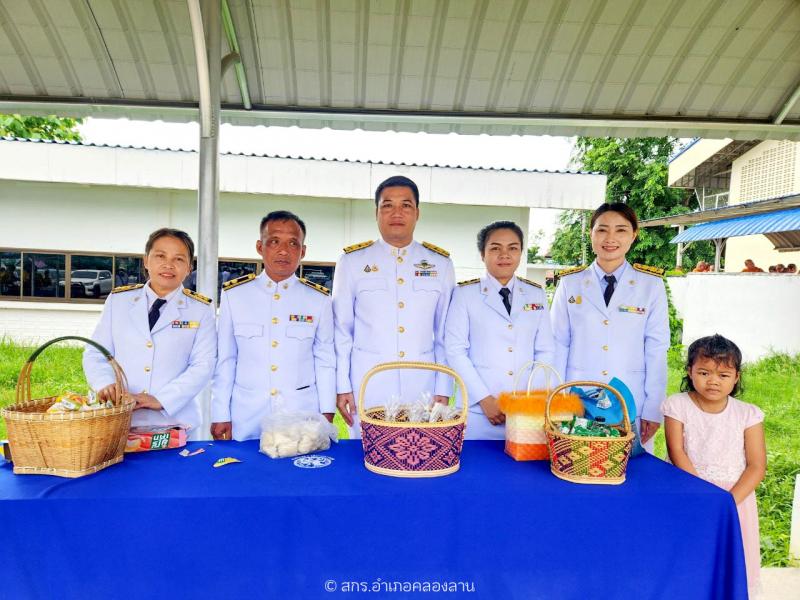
<point>70,444</point>
<point>411,449</point>
<point>524,410</point>
<point>582,459</point>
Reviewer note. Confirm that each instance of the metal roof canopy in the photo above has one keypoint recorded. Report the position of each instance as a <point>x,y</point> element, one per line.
<point>782,228</point>
<point>714,171</point>
<point>624,68</point>
<point>737,210</point>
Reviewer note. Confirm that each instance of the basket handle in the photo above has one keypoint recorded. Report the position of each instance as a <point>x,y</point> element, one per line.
<point>462,418</point>
<point>24,380</point>
<point>564,386</point>
<point>536,366</point>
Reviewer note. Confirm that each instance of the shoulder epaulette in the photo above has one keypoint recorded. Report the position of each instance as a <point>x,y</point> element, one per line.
<point>127,288</point>
<point>197,296</point>
<point>315,286</point>
<point>469,281</point>
<point>571,270</point>
<point>360,246</point>
<point>529,282</point>
<point>649,270</point>
<point>229,285</point>
<point>436,249</point>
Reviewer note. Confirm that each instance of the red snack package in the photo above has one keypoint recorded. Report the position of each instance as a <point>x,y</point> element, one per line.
<point>143,439</point>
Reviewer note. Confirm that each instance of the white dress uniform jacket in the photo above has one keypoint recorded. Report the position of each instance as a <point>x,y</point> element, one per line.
<point>390,304</point>
<point>275,351</point>
<point>627,339</point>
<point>173,362</point>
<point>487,346</point>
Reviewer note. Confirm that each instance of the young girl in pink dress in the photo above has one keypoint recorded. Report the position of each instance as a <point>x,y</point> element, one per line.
<point>714,436</point>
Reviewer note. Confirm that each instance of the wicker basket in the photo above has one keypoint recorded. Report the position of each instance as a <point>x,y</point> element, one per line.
<point>583,459</point>
<point>69,444</point>
<point>524,410</point>
<point>411,449</point>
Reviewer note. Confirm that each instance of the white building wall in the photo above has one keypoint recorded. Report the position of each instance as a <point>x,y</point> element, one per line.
<point>758,311</point>
<point>768,170</point>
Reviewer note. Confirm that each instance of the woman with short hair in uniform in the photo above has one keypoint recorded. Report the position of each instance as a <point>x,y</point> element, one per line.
<point>162,335</point>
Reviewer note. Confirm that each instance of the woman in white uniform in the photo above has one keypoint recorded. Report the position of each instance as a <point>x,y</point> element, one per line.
<point>495,325</point>
<point>162,335</point>
<point>610,318</point>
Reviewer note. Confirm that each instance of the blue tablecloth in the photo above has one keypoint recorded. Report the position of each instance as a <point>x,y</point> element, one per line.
<point>159,523</point>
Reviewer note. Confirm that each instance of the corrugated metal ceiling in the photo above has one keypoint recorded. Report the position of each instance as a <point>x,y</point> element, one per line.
<point>710,68</point>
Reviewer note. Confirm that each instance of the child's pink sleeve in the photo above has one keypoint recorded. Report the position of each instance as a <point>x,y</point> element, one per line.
<point>673,407</point>
<point>753,415</point>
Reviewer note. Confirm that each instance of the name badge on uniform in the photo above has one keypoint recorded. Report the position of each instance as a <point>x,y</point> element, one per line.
<point>636,310</point>
<point>302,318</point>
<point>185,324</point>
<point>425,269</point>
<point>533,307</point>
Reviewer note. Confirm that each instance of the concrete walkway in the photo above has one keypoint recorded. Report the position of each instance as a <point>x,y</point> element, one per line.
<point>780,584</point>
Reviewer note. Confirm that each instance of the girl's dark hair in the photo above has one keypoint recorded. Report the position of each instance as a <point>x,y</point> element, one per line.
<point>169,232</point>
<point>617,207</point>
<point>719,349</point>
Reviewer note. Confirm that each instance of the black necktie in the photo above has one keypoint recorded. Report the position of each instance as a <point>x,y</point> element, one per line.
<point>155,311</point>
<point>611,281</point>
<point>505,293</point>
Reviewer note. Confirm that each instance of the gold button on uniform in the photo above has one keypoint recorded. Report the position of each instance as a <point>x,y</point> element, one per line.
<point>401,329</point>
<point>274,368</point>
<point>149,344</point>
<point>605,372</point>
<point>147,369</point>
<point>401,305</point>
<point>273,392</point>
<point>511,373</point>
<point>274,320</point>
<point>399,281</point>
<point>605,322</point>
<point>399,259</point>
<point>401,354</point>
<point>274,343</point>
<point>605,348</point>
<point>510,349</point>
<point>510,326</point>
<point>276,297</point>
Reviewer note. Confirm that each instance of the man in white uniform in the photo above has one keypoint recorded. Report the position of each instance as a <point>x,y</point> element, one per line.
<point>275,338</point>
<point>390,301</point>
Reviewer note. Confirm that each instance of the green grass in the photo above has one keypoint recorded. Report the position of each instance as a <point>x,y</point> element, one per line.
<point>772,384</point>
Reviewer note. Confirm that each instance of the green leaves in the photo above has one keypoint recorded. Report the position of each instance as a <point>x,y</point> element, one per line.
<point>40,128</point>
<point>637,171</point>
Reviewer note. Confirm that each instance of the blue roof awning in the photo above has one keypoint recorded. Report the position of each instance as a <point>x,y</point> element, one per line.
<point>765,223</point>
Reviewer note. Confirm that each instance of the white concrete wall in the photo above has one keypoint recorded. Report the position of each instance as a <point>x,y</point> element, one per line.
<point>33,323</point>
<point>758,311</point>
<point>678,286</point>
<point>69,217</point>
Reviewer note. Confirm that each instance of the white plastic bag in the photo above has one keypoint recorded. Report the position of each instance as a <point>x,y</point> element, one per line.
<point>292,433</point>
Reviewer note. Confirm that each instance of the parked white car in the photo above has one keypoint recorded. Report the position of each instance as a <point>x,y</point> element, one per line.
<point>94,282</point>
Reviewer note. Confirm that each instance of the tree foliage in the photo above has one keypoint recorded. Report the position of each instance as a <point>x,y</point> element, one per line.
<point>40,128</point>
<point>637,174</point>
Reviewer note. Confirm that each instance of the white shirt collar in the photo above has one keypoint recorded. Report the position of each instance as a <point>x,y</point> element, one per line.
<point>393,250</point>
<point>617,273</point>
<point>285,284</point>
<point>151,295</point>
<point>495,285</point>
